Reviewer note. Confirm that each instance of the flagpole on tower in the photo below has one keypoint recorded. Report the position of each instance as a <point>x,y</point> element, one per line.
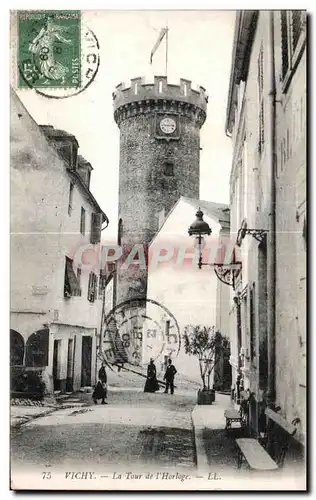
<point>167,30</point>
<point>163,33</point>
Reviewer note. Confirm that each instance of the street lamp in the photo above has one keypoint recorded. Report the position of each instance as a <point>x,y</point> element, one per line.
<point>199,228</point>
<point>225,272</point>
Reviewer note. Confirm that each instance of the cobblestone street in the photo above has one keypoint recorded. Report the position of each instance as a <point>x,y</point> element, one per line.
<point>133,428</point>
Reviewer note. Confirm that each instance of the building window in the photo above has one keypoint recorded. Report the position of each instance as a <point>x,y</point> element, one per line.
<point>71,191</point>
<point>261,100</point>
<point>102,282</point>
<point>293,35</point>
<point>83,221</point>
<point>120,232</point>
<point>71,284</point>
<point>92,287</point>
<point>168,168</point>
<point>79,278</point>
<point>96,227</point>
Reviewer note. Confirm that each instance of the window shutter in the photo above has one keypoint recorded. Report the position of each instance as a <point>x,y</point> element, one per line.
<point>102,280</point>
<point>83,221</point>
<point>95,286</point>
<point>89,287</point>
<point>96,224</point>
<point>284,42</point>
<point>92,287</point>
<point>72,286</point>
<point>67,289</point>
<point>297,17</point>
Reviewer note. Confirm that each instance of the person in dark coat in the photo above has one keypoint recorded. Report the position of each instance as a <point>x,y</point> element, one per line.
<point>102,373</point>
<point>169,377</point>
<point>151,384</point>
<point>100,391</point>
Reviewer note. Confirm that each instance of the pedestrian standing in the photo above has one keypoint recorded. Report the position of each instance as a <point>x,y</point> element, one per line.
<point>169,377</point>
<point>100,390</point>
<point>102,373</point>
<point>151,384</point>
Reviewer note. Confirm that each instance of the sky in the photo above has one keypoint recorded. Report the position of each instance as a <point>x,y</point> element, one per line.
<point>199,49</point>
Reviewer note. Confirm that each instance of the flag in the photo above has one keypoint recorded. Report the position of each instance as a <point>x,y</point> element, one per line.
<point>162,33</point>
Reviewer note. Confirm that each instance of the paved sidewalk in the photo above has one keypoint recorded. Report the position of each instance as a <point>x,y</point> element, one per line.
<point>23,411</point>
<point>209,424</point>
<point>216,453</point>
<point>21,414</point>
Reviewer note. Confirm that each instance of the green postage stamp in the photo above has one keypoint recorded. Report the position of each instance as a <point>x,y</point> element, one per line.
<point>49,49</point>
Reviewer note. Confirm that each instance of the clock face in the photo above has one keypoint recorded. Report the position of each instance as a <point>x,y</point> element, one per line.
<point>168,125</point>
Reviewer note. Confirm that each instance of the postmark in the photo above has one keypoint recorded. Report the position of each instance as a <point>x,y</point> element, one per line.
<point>139,329</point>
<point>57,55</point>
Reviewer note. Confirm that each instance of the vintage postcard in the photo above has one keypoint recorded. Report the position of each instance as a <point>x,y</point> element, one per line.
<point>158,231</point>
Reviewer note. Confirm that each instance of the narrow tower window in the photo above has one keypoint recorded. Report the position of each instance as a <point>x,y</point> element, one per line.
<point>136,88</point>
<point>185,91</point>
<point>120,232</point>
<point>168,168</point>
<point>160,87</point>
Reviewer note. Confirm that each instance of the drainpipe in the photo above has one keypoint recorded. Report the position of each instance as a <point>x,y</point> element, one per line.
<point>271,235</point>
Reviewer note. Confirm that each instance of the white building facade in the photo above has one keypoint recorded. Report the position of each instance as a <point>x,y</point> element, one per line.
<point>266,118</point>
<point>56,288</point>
<point>183,294</point>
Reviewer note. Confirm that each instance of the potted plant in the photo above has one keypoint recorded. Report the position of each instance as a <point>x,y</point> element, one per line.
<point>207,344</point>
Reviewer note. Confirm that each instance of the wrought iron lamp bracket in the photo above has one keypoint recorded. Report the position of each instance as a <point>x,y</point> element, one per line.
<point>259,234</point>
<point>226,273</point>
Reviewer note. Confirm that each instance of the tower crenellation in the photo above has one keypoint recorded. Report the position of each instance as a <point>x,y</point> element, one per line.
<point>146,96</point>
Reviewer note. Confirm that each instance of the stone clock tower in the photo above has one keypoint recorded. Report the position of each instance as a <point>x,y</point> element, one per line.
<point>159,162</point>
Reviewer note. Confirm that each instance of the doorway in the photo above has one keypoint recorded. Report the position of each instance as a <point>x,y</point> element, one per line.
<point>16,348</point>
<point>56,364</point>
<point>86,359</point>
<point>70,366</point>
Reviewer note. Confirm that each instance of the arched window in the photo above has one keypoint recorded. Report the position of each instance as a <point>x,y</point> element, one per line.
<point>16,348</point>
<point>37,348</point>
